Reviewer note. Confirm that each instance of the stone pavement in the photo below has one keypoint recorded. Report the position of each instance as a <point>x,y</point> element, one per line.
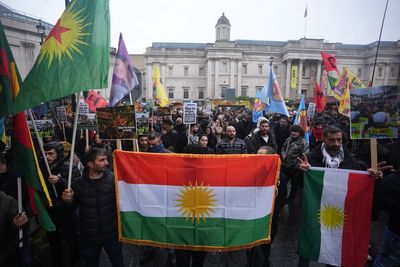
<point>284,247</point>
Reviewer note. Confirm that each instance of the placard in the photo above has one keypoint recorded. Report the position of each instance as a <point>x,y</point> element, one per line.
<point>189,112</point>
<point>311,110</point>
<point>142,123</point>
<point>373,112</point>
<point>116,122</point>
<point>61,114</point>
<point>83,108</point>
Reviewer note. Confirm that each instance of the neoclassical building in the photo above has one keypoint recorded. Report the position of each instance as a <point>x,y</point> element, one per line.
<point>204,70</point>
<point>197,71</point>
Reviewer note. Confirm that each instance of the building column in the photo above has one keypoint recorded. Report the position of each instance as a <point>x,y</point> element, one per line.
<point>149,76</point>
<point>216,81</point>
<point>318,78</point>
<point>387,73</point>
<point>163,74</point>
<point>300,78</point>
<point>209,79</point>
<point>239,75</point>
<point>288,77</point>
<point>232,78</point>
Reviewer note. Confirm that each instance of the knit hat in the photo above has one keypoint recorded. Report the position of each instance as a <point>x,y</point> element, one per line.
<point>261,119</point>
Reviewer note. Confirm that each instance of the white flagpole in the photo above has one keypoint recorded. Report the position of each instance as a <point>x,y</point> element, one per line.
<point>71,159</point>
<point>39,138</point>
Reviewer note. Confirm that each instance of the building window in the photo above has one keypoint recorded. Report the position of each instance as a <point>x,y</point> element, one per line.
<point>223,91</point>
<point>186,71</point>
<point>170,71</point>
<point>258,89</point>
<point>380,72</point>
<point>303,73</point>
<point>391,72</point>
<point>259,69</point>
<point>276,70</point>
<point>244,68</point>
<point>185,92</point>
<point>201,92</point>
<point>243,91</point>
<point>201,71</point>
<point>304,92</point>
<point>359,72</point>
<point>224,67</point>
<point>170,92</point>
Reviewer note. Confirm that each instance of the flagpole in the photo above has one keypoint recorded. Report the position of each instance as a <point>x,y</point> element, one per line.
<point>39,138</point>
<point>71,159</point>
<point>379,43</point>
<point>20,231</point>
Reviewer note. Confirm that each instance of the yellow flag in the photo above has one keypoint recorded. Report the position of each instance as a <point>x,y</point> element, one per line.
<point>161,95</point>
<point>344,102</point>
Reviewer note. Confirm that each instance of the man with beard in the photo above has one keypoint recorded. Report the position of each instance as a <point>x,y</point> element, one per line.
<point>94,194</point>
<point>231,144</point>
<point>180,128</point>
<point>143,143</point>
<point>170,137</point>
<point>262,137</point>
<point>281,132</point>
<point>62,216</point>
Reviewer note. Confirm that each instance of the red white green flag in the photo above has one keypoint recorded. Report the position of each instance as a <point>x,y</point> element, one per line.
<point>200,202</point>
<point>336,216</point>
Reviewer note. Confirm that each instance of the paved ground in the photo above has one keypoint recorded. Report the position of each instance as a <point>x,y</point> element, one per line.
<point>283,253</point>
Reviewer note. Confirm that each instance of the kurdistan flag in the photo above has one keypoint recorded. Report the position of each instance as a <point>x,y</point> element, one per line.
<point>74,57</point>
<point>201,202</point>
<point>336,216</point>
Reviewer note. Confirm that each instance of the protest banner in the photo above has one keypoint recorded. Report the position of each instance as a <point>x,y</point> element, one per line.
<point>162,114</point>
<point>83,108</point>
<point>189,112</point>
<point>116,122</point>
<point>373,112</point>
<point>87,121</point>
<point>61,114</point>
<point>142,123</point>
<point>311,110</point>
<point>45,128</point>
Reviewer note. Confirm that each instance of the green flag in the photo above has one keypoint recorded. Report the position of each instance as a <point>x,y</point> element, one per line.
<point>74,57</point>
<point>9,76</point>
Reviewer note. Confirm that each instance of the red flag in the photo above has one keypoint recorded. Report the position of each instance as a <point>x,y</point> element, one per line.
<point>329,61</point>
<point>94,100</point>
<point>319,98</point>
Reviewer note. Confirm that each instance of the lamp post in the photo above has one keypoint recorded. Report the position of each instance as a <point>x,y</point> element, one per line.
<point>271,60</point>
<point>41,30</point>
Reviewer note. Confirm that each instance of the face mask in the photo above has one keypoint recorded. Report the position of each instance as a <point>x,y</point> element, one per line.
<point>157,149</point>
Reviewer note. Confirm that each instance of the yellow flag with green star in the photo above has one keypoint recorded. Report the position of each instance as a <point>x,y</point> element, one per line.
<point>74,57</point>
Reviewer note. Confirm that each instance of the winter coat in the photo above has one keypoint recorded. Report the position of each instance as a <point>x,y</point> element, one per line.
<point>96,199</point>
<point>291,149</point>
<point>257,141</point>
<point>226,147</point>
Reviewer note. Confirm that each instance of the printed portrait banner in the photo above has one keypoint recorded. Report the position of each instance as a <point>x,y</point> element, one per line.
<point>61,114</point>
<point>44,127</point>
<point>162,114</point>
<point>189,112</point>
<point>374,112</point>
<point>142,123</point>
<point>116,122</point>
<point>195,202</point>
<point>294,77</point>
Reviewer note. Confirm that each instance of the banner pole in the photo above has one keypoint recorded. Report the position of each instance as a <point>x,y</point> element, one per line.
<point>39,138</point>
<point>71,159</point>
<point>20,231</point>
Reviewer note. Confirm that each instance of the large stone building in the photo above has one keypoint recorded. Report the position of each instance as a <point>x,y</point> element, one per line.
<point>198,71</point>
<point>204,70</point>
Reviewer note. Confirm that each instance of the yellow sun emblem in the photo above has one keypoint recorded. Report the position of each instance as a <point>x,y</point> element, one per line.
<point>196,202</point>
<point>331,217</point>
<point>66,36</point>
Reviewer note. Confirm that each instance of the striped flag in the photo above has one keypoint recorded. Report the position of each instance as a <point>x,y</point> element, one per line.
<point>201,202</point>
<point>336,216</point>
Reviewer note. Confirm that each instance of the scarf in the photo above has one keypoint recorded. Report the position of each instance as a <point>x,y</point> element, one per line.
<point>317,132</point>
<point>332,162</point>
<point>157,149</point>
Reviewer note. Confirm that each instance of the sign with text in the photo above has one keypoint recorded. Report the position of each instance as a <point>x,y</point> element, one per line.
<point>189,112</point>
<point>374,112</point>
<point>44,127</point>
<point>142,123</point>
<point>87,121</point>
<point>311,110</point>
<point>61,114</point>
<point>83,108</point>
<point>116,122</point>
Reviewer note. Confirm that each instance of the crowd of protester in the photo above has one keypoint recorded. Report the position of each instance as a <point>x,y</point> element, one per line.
<point>86,215</point>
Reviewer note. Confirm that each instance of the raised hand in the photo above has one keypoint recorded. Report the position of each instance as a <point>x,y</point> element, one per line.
<point>304,165</point>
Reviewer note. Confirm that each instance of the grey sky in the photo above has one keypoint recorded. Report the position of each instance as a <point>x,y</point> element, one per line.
<point>144,22</point>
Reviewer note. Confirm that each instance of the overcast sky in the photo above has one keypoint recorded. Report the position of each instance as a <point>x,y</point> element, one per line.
<point>143,22</point>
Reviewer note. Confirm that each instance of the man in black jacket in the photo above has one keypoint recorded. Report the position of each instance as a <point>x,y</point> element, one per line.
<point>62,216</point>
<point>263,137</point>
<point>94,194</point>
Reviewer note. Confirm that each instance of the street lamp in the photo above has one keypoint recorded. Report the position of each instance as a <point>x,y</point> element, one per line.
<point>41,30</point>
<point>271,60</point>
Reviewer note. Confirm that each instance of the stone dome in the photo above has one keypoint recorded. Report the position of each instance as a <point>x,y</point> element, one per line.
<point>223,20</point>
